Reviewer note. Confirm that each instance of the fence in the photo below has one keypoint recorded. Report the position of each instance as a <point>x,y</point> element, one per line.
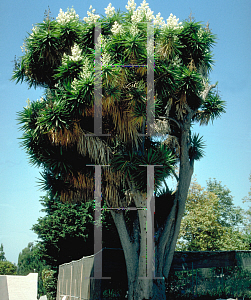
<point>228,282</point>
<point>76,279</point>
<point>191,274</point>
<point>222,273</point>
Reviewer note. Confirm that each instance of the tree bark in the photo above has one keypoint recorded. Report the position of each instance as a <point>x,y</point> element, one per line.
<point>185,176</point>
<point>143,281</point>
<point>130,249</point>
<point>140,284</point>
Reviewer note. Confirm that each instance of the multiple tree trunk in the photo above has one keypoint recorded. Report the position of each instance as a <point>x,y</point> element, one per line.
<point>148,261</point>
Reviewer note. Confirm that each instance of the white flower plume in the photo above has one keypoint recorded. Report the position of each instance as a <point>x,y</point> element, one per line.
<point>173,22</point>
<point>64,18</point>
<point>85,74</point>
<point>109,11</point>
<point>92,18</point>
<point>142,11</point>
<point>76,55</point>
<point>131,5</point>
<point>158,20</point>
<point>116,28</point>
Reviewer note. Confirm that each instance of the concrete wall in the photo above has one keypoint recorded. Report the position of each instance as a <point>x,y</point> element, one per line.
<point>3,288</point>
<point>13,287</point>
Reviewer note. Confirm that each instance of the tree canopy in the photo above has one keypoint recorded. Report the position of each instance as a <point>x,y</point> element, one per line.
<point>59,55</point>
<point>211,221</point>
<point>7,268</point>
<point>2,254</point>
<point>231,215</point>
<point>65,232</point>
<point>248,215</point>
<point>30,260</point>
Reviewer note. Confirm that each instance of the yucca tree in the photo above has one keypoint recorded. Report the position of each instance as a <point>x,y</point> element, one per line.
<point>70,60</point>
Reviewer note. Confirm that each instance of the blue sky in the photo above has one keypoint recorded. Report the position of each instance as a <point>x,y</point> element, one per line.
<point>228,140</point>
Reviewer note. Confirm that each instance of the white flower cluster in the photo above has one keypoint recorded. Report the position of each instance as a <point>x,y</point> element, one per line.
<point>131,5</point>
<point>142,11</point>
<point>34,30</point>
<point>40,100</point>
<point>104,41</point>
<point>105,59</point>
<point>158,20</point>
<point>64,18</point>
<point>74,84</point>
<point>173,22</point>
<point>76,55</point>
<point>109,11</point>
<point>200,33</point>
<point>134,29</point>
<point>92,18</point>
<point>28,103</point>
<point>85,74</point>
<point>116,28</point>
<point>23,48</point>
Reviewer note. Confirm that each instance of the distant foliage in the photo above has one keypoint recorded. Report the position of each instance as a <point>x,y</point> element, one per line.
<point>65,232</point>
<point>49,282</point>
<point>211,221</point>
<point>2,254</point>
<point>248,216</point>
<point>29,261</point>
<point>230,215</point>
<point>7,268</point>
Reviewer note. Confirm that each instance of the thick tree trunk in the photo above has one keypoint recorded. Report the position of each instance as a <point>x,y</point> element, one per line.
<point>146,268</point>
<point>139,254</point>
<point>185,176</point>
<point>139,286</point>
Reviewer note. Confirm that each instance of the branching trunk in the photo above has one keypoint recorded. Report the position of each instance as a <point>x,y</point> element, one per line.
<point>130,248</point>
<point>143,282</point>
<point>185,176</point>
<point>140,284</point>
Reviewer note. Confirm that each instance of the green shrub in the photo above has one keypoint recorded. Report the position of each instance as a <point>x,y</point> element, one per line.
<point>50,283</point>
<point>210,283</point>
<point>7,268</point>
<point>111,294</point>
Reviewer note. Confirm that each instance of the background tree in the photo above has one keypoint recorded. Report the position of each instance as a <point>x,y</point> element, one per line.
<point>7,268</point>
<point>210,221</point>
<point>59,129</point>
<point>230,215</point>
<point>30,260</point>
<point>49,282</point>
<point>248,216</point>
<point>2,254</point>
<point>66,231</point>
